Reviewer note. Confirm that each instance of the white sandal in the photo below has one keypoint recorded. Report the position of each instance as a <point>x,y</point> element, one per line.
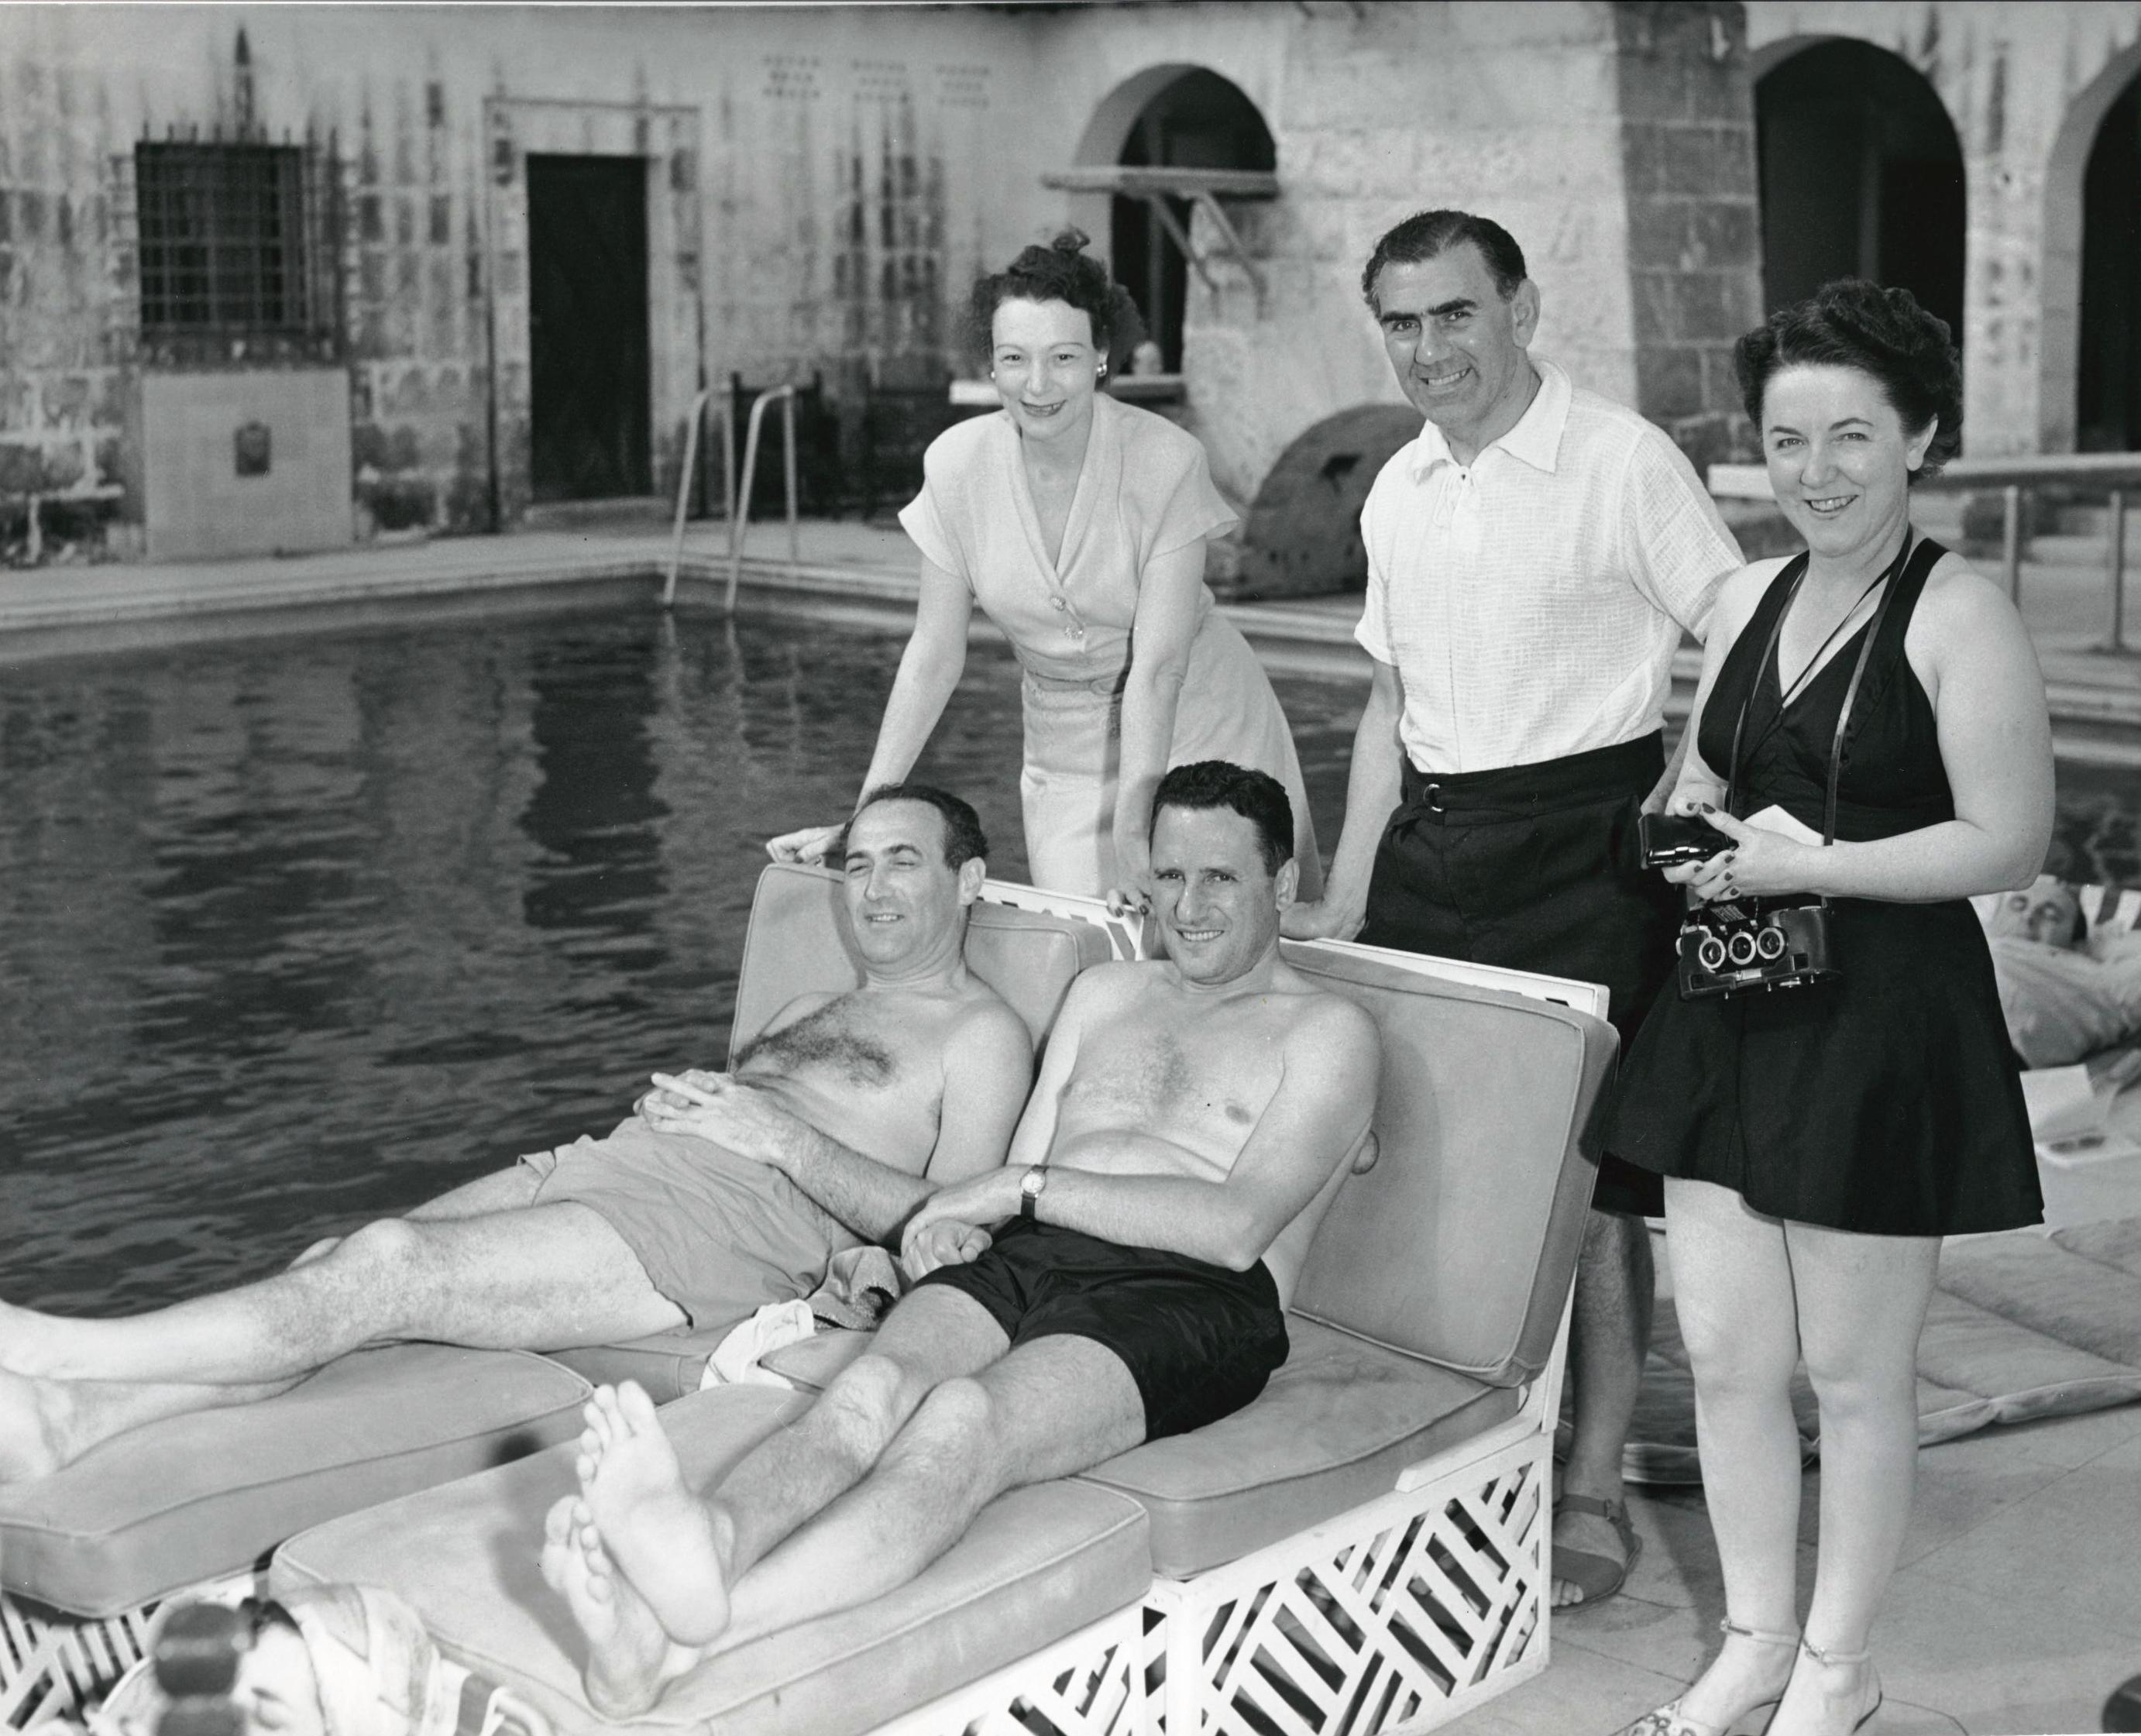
<point>1669,1720</point>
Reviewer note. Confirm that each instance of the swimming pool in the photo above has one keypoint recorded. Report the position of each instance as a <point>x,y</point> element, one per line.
<point>298,931</point>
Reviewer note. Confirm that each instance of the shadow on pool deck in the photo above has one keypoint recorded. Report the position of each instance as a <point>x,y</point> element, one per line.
<point>845,565</point>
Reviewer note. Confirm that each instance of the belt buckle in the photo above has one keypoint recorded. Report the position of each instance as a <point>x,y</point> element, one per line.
<point>1434,798</point>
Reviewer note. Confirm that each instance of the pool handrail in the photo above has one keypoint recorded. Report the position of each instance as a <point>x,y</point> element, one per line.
<point>740,512</point>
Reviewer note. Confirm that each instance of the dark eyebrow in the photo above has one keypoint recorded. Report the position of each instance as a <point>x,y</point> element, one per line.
<point>1462,304</point>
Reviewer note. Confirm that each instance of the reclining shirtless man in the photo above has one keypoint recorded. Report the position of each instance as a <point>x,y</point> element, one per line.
<point>834,1126</point>
<point>1192,1120</point>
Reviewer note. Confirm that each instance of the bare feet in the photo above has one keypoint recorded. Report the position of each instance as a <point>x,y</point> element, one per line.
<point>630,1659</point>
<point>31,1443</point>
<point>664,1539</point>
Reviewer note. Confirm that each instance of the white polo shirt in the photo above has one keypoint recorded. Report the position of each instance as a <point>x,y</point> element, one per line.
<point>1532,603</point>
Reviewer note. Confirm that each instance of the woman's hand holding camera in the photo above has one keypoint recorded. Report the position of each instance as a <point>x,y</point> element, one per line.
<point>1760,864</point>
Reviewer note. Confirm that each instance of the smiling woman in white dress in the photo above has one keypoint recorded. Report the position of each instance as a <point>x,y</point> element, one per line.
<point>1079,525</point>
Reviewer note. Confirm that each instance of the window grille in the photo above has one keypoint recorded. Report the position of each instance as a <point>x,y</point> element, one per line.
<point>234,240</point>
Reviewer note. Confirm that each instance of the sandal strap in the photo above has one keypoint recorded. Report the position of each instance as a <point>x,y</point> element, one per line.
<point>1824,1655</point>
<point>1760,1637</point>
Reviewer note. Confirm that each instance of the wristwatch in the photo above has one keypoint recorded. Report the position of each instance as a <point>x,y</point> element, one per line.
<point>1029,1189</point>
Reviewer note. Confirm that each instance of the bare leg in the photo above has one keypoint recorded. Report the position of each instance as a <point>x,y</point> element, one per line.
<point>681,1552</point>
<point>1609,1336</point>
<point>1732,1282</point>
<point>503,1190</point>
<point>1862,1303</point>
<point>548,1277</point>
<point>630,1659</point>
<point>45,1424</point>
<point>1047,1409</point>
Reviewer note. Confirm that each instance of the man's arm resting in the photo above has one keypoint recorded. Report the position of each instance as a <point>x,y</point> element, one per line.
<point>1372,787</point>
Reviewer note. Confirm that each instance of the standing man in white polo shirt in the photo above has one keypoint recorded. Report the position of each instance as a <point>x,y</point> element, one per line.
<point>1533,560</point>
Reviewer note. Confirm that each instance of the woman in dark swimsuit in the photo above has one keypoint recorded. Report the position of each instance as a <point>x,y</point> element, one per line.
<point>1818,1140</point>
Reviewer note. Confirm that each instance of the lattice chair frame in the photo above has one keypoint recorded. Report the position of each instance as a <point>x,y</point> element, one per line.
<point>55,1665</point>
<point>1405,1612</point>
<point>1085,1685</point>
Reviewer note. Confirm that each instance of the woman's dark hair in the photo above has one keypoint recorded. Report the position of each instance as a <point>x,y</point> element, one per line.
<point>1882,332</point>
<point>1062,271</point>
<point>1427,234</point>
<point>963,838</point>
<point>1258,796</point>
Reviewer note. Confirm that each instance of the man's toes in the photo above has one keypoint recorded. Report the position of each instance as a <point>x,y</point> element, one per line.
<point>558,1523</point>
<point>636,1410</point>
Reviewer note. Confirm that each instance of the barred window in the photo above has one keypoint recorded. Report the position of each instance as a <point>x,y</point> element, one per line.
<point>225,234</point>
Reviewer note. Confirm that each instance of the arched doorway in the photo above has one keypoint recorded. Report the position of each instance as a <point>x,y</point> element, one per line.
<point>1861,176</point>
<point>2108,371</point>
<point>1197,119</point>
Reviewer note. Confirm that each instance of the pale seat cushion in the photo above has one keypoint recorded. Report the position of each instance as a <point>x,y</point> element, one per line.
<point>1037,1565</point>
<point>1459,1244</point>
<point>1337,1424</point>
<point>192,1497</point>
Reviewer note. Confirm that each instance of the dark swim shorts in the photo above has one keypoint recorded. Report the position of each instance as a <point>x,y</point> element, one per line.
<point>1199,1340</point>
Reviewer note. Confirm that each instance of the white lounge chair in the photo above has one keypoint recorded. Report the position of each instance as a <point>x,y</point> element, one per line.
<point>1364,1546</point>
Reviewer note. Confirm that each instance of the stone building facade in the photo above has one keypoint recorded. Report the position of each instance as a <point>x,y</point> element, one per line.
<point>820,187</point>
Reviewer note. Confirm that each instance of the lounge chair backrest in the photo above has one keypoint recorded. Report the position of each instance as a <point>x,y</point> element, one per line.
<point>1458,1245</point>
<point>797,944</point>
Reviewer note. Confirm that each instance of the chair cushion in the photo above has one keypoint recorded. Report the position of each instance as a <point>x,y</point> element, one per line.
<point>1338,1422</point>
<point>1458,1245</point>
<point>798,944</point>
<point>1038,1564</point>
<point>195,1496</point>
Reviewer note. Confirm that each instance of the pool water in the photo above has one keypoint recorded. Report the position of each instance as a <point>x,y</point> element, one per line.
<point>302,931</point>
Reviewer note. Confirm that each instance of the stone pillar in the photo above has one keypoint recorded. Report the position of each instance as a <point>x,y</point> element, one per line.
<point>1695,231</point>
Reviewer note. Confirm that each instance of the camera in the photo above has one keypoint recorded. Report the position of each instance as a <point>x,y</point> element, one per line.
<point>1731,947</point>
<point>1670,840</point>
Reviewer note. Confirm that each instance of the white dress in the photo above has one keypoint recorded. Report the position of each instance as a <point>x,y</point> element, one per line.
<point>1145,491</point>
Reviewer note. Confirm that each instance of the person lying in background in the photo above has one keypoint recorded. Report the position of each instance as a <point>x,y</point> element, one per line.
<point>712,1200</point>
<point>2066,993</point>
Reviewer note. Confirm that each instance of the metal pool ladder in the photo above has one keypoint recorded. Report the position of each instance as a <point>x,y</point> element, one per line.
<point>735,501</point>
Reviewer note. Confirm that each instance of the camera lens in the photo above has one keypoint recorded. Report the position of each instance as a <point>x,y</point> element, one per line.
<point>1709,952</point>
<point>1741,947</point>
<point>1770,943</point>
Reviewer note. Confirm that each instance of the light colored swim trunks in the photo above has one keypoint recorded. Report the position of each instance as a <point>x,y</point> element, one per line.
<point>718,1235</point>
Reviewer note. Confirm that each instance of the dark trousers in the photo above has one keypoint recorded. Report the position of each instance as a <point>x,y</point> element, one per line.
<point>1537,868</point>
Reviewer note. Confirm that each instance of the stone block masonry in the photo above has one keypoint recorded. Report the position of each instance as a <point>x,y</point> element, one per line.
<point>1695,232</point>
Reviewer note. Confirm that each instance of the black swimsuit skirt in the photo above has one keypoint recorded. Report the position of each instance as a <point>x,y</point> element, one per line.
<point>1889,1102</point>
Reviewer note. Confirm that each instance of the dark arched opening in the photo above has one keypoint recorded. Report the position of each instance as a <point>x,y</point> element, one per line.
<point>1862,176</point>
<point>1200,120</point>
<point>2108,378</point>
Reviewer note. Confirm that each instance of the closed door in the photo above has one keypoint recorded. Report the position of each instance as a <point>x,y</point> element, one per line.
<point>586,338</point>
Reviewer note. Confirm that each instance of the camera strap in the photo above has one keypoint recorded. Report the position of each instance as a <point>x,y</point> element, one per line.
<point>1850,693</point>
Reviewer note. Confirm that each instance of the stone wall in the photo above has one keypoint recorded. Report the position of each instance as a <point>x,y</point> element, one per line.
<point>2025,86</point>
<point>1377,111</point>
<point>1695,232</point>
<point>830,181</point>
<point>825,183</point>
